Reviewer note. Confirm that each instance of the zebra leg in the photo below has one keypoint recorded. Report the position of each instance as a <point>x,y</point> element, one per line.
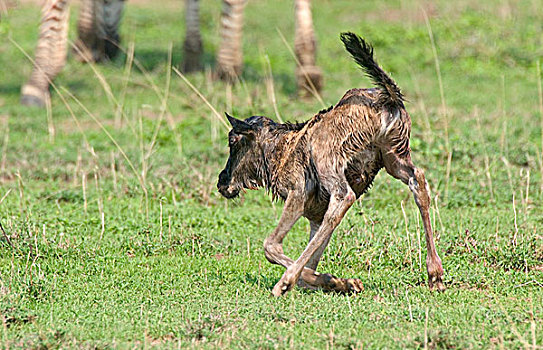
<point>108,29</point>
<point>86,40</point>
<point>308,74</point>
<point>50,55</point>
<point>230,56</point>
<point>98,30</point>
<point>192,47</point>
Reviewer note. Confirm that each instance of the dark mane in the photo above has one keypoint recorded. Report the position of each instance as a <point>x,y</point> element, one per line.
<point>288,126</point>
<point>326,110</point>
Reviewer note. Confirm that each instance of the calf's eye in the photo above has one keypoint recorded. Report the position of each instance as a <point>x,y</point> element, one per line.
<point>233,139</point>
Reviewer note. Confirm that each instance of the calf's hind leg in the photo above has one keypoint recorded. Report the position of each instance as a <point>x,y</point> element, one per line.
<point>403,169</point>
<point>316,257</point>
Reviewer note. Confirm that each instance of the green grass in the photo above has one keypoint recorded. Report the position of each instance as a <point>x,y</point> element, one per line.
<point>172,264</point>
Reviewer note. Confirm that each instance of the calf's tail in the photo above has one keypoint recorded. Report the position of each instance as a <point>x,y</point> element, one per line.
<point>390,95</point>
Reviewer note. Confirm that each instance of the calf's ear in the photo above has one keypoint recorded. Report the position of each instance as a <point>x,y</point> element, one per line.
<point>238,126</point>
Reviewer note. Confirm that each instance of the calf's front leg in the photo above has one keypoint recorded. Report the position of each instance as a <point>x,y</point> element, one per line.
<point>340,201</point>
<point>273,245</point>
<point>273,249</point>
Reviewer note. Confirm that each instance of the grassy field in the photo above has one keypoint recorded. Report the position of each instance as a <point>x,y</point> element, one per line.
<point>116,237</point>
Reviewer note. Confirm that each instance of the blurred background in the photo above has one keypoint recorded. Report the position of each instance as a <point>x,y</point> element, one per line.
<point>114,232</point>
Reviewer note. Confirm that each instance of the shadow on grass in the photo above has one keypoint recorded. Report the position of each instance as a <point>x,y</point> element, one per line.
<point>10,89</point>
<point>283,81</point>
<point>152,59</point>
<point>77,86</point>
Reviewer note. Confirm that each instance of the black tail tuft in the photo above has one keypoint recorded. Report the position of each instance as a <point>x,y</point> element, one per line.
<point>362,52</point>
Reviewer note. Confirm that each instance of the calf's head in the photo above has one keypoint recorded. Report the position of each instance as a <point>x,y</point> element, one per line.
<point>245,167</point>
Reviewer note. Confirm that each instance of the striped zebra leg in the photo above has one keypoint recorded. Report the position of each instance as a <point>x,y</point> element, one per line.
<point>50,55</point>
<point>85,31</point>
<point>230,56</point>
<point>308,74</point>
<point>98,30</point>
<point>192,47</point>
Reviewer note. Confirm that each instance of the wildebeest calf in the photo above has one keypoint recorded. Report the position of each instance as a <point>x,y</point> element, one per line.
<point>320,167</point>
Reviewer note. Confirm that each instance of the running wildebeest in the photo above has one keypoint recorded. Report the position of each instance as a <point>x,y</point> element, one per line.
<point>320,167</point>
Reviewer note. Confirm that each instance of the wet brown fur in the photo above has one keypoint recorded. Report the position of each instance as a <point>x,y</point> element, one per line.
<point>321,166</point>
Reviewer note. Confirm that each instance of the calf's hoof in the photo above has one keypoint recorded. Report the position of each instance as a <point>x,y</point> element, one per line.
<point>281,288</point>
<point>352,286</point>
<point>435,283</point>
<point>435,273</point>
<point>286,283</point>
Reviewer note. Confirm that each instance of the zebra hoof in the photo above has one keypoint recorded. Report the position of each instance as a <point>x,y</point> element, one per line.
<point>32,101</point>
<point>33,96</point>
<point>309,80</point>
